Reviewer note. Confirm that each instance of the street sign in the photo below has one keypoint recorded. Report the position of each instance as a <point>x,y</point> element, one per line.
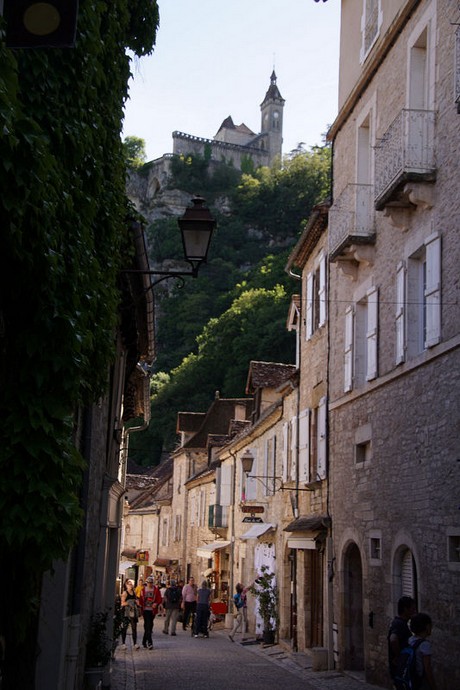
<point>252,519</point>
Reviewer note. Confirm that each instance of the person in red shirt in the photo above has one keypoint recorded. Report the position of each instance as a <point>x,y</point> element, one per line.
<point>149,601</point>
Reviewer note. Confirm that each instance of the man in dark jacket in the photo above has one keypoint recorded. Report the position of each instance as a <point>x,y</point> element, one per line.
<point>399,632</point>
<point>172,603</point>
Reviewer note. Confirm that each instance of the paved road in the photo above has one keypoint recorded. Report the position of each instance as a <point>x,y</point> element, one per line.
<point>186,663</point>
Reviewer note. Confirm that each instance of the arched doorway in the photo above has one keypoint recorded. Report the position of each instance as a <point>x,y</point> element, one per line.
<point>353,610</point>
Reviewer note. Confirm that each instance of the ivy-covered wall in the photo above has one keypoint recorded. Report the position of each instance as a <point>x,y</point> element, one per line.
<point>62,243</point>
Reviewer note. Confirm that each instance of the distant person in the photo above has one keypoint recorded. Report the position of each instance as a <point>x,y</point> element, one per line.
<point>399,632</point>
<point>139,588</point>
<point>129,607</point>
<point>188,601</point>
<point>203,603</point>
<point>161,608</point>
<point>239,601</point>
<point>172,602</point>
<point>150,600</point>
<point>421,627</point>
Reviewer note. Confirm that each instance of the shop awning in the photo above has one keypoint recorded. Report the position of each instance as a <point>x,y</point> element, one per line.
<point>257,530</point>
<point>163,562</point>
<point>130,553</point>
<point>123,567</point>
<point>206,550</point>
<point>309,523</point>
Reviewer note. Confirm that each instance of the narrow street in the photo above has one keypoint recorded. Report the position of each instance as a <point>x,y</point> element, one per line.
<point>183,662</point>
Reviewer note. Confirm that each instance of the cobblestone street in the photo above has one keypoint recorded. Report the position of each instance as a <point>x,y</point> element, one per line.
<point>184,662</point>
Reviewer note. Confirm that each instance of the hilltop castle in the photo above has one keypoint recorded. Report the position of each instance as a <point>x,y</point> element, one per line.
<point>237,143</point>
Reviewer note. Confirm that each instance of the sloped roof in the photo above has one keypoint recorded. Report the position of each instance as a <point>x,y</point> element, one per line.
<point>317,224</point>
<point>273,93</point>
<point>267,375</point>
<point>217,420</point>
<point>189,421</point>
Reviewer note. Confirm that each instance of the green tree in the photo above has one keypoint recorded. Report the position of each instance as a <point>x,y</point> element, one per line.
<point>134,151</point>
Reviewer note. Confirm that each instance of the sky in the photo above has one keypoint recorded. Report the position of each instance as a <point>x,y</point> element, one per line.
<point>214,58</point>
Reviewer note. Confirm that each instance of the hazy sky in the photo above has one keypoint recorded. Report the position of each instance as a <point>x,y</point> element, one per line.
<point>215,58</point>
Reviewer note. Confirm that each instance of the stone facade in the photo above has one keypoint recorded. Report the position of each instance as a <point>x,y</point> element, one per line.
<point>394,331</point>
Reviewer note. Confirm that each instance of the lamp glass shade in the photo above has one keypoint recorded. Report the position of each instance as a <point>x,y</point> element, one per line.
<point>247,460</point>
<point>196,226</point>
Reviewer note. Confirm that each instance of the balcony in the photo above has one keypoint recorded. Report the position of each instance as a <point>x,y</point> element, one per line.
<point>218,516</point>
<point>404,154</point>
<point>351,219</point>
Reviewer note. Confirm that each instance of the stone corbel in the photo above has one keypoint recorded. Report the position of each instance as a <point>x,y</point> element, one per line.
<point>349,267</point>
<point>399,217</point>
<point>421,195</point>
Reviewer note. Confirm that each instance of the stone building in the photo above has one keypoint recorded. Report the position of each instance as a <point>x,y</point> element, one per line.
<point>394,322</point>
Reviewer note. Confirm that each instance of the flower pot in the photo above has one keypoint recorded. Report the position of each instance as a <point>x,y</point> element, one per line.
<point>268,637</point>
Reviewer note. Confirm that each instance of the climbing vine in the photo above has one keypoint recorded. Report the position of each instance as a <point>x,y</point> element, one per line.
<point>62,240</point>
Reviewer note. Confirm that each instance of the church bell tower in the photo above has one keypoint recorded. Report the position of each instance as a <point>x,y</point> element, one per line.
<point>271,110</point>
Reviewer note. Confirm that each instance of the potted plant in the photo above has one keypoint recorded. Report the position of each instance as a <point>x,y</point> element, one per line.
<point>265,591</point>
<point>98,650</point>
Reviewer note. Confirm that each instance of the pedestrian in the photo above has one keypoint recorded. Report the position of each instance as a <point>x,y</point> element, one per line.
<point>172,602</point>
<point>203,603</point>
<point>161,608</point>
<point>188,601</point>
<point>239,601</point>
<point>129,606</point>
<point>399,632</point>
<point>149,601</point>
<point>421,626</point>
<point>139,588</point>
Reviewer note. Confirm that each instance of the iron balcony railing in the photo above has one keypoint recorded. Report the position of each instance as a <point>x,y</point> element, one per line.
<point>352,218</point>
<point>405,152</point>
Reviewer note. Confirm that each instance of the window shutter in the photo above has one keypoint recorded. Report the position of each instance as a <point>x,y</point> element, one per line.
<point>322,291</point>
<point>225,485</point>
<point>251,483</point>
<point>304,446</point>
<point>400,313</point>
<point>348,373</point>
<point>371,334</point>
<point>407,574</point>
<point>285,452</point>
<point>433,291</point>
<point>321,464</point>
<point>309,307</point>
<point>293,448</point>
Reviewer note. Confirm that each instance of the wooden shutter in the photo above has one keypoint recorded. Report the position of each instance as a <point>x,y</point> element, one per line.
<point>285,452</point>
<point>304,446</point>
<point>309,307</point>
<point>348,360</point>
<point>400,317</point>
<point>322,440</point>
<point>293,468</point>
<point>371,333</point>
<point>322,291</point>
<point>407,574</point>
<point>432,293</point>
<point>225,485</point>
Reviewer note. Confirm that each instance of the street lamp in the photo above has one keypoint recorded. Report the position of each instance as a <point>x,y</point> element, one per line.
<point>196,226</point>
<point>247,461</point>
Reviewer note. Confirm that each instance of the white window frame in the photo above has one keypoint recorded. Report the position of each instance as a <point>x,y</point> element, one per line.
<point>400,316</point>
<point>225,488</point>
<point>423,292</point>
<point>372,333</point>
<point>348,349</point>
<point>321,446</point>
<point>304,446</point>
<point>293,448</point>
<point>316,297</point>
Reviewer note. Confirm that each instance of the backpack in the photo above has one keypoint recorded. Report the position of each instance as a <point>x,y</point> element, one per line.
<point>406,677</point>
<point>174,595</point>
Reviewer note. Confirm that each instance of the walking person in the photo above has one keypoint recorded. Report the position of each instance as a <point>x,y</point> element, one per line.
<point>399,632</point>
<point>239,600</point>
<point>139,588</point>
<point>129,607</point>
<point>203,603</point>
<point>188,601</point>
<point>421,626</point>
<point>172,602</point>
<point>161,608</point>
<point>150,600</point>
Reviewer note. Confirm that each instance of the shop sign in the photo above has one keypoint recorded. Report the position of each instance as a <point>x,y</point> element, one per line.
<point>142,557</point>
<point>252,519</point>
<point>252,509</point>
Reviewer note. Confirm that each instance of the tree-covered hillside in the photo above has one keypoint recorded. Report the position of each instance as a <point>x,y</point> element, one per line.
<point>235,311</point>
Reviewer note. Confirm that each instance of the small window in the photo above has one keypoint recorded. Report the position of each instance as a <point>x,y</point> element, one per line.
<point>376,548</point>
<point>454,548</point>
<point>371,21</point>
<point>363,452</point>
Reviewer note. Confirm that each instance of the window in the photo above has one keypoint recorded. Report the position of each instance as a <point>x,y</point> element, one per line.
<point>457,68</point>
<point>375,549</point>
<point>289,450</point>
<point>361,346</point>
<point>453,548</point>
<point>248,482</point>
<point>165,532</point>
<point>315,303</point>
<point>371,21</point>
<point>313,443</point>
<point>363,452</point>
<point>177,528</point>
<point>418,300</point>
<point>270,466</point>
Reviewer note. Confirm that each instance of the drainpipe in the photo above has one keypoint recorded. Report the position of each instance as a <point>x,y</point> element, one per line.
<point>232,534</point>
